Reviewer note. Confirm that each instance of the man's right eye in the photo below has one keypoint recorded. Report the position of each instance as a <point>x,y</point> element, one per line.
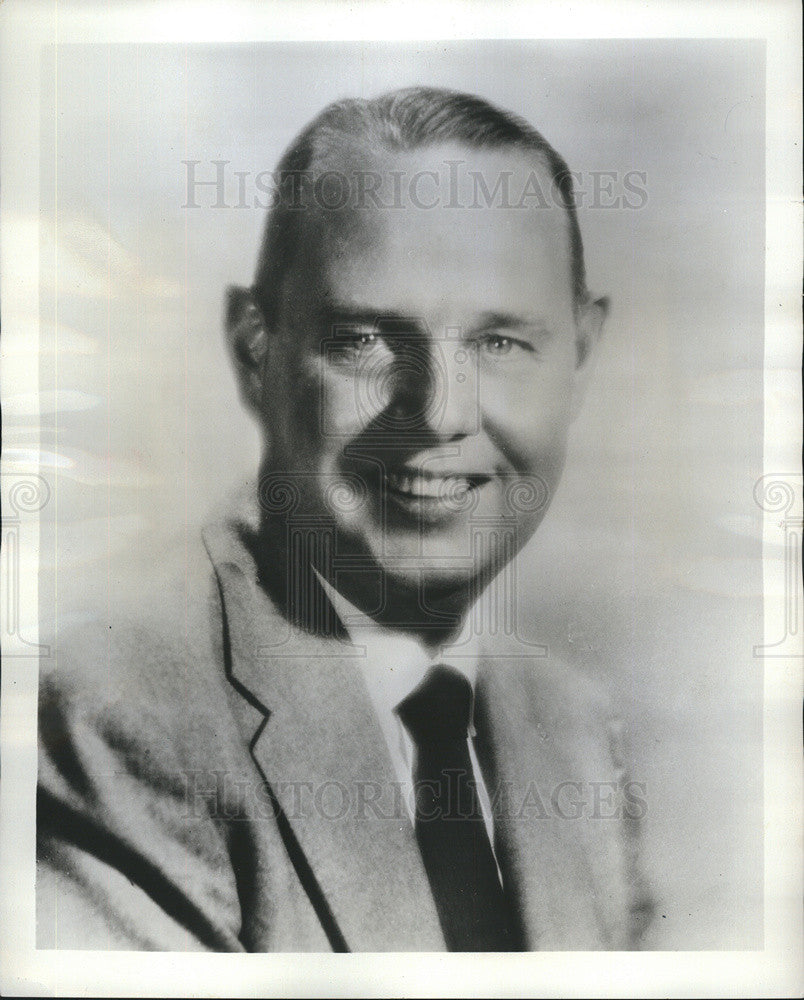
<point>353,345</point>
<point>356,336</point>
<point>358,341</point>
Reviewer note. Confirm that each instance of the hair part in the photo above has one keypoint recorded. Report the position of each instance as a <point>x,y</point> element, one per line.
<point>402,120</point>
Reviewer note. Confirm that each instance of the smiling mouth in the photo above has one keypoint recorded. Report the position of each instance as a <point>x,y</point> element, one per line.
<point>430,485</point>
<point>445,490</point>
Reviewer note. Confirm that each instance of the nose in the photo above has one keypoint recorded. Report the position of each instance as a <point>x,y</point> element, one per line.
<point>435,389</point>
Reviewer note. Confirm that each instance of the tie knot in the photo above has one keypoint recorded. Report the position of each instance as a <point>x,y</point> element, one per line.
<point>439,708</point>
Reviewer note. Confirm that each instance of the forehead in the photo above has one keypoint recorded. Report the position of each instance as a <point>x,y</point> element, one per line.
<point>441,228</point>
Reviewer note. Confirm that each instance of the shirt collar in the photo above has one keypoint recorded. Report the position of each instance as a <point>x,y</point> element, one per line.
<point>394,662</point>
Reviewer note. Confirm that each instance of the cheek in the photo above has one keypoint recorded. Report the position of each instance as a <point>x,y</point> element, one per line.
<point>348,402</point>
<point>530,418</point>
<point>291,407</point>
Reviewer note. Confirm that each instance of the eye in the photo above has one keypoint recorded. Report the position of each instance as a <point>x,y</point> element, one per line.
<point>360,337</point>
<point>363,343</point>
<point>498,345</point>
<point>356,345</point>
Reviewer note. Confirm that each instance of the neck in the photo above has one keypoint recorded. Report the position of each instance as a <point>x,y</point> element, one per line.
<point>433,614</point>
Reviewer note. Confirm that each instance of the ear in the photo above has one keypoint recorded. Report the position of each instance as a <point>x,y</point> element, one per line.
<point>589,329</point>
<point>247,339</point>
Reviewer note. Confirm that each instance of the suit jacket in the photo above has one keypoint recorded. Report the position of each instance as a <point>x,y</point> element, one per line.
<point>212,777</point>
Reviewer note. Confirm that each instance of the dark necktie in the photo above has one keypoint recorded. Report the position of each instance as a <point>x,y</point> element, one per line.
<point>472,908</point>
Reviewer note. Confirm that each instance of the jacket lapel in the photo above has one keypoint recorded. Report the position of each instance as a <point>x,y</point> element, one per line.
<point>544,752</point>
<point>320,748</point>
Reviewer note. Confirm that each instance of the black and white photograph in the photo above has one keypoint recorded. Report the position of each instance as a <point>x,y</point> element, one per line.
<point>393,463</point>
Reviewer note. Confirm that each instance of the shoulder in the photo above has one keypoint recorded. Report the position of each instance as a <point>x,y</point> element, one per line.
<point>134,726</point>
<point>582,703</point>
<point>569,706</point>
<point>554,684</point>
<point>144,664</point>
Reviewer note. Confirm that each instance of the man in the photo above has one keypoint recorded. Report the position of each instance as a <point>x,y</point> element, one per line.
<point>301,744</point>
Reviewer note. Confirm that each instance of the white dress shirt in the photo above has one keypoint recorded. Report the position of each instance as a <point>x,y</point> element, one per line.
<point>394,664</point>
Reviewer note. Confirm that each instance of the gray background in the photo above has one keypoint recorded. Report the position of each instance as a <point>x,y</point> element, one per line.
<point>647,568</point>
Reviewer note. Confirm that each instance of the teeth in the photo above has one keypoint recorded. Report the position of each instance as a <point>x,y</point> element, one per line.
<point>426,487</point>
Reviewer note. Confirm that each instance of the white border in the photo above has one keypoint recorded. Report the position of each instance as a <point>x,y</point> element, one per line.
<point>775,971</point>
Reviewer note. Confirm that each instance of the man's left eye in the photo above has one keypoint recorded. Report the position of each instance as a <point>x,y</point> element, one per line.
<point>498,345</point>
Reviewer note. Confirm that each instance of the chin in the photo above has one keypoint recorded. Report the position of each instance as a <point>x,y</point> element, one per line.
<point>436,561</point>
<point>435,577</point>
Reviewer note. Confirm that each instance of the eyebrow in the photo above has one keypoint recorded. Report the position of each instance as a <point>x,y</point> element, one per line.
<point>342,313</point>
<point>507,321</point>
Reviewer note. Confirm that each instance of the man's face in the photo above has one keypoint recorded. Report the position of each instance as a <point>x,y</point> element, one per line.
<point>423,374</point>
